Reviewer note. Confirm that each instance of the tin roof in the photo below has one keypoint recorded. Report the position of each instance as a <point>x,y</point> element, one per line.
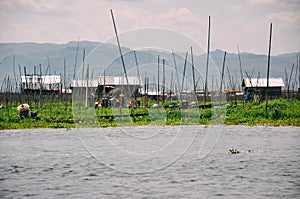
<point>262,82</point>
<point>109,81</point>
<point>118,80</point>
<point>44,79</point>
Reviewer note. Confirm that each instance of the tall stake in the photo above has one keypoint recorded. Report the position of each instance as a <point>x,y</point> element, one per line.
<point>157,78</point>
<point>176,71</point>
<point>74,74</point>
<point>222,75</point>
<point>193,70</point>
<point>65,73</point>
<point>268,71</point>
<point>116,32</point>
<point>289,81</point>
<point>241,70</point>
<point>164,82</point>
<point>184,69</point>
<point>137,67</point>
<point>298,63</point>
<point>207,62</point>
<point>87,85</point>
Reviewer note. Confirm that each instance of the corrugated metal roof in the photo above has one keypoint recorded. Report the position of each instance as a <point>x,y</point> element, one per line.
<point>262,82</point>
<point>118,80</point>
<point>80,83</point>
<point>109,80</point>
<point>44,79</point>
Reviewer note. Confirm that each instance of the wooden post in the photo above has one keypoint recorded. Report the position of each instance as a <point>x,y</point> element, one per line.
<point>122,59</point>
<point>74,75</point>
<point>193,71</point>
<point>176,71</point>
<point>164,82</point>
<point>207,62</point>
<point>268,71</point>
<point>184,69</point>
<point>158,79</point>
<point>222,75</point>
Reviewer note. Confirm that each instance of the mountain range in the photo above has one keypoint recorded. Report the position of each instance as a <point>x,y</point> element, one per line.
<point>76,57</point>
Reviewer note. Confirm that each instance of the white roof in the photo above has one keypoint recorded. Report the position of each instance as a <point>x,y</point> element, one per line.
<point>118,80</point>
<point>80,83</point>
<point>44,79</point>
<point>109,80</point>
<point>262,82</point>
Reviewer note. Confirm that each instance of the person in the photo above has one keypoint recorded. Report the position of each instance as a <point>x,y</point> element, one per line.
<point>24,111</point>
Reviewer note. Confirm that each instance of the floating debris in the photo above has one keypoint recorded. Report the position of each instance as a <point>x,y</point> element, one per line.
<point>233,151</point>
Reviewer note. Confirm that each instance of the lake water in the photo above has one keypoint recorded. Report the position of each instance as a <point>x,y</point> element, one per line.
<point>151,161</point>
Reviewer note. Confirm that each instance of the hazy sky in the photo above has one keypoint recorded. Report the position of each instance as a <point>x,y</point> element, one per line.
<point>245,22</point>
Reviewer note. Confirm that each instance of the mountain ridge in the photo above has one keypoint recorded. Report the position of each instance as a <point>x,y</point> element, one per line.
<point>99,55</point>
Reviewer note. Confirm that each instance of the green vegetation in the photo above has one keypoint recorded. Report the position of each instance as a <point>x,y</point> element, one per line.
<point>60,115</point>
<point>281,112</point>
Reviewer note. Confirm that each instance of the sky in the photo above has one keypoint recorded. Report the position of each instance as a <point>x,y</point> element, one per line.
<point>242,22</point>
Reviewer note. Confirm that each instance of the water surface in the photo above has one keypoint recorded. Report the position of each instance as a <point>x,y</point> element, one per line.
<point>151,161</point>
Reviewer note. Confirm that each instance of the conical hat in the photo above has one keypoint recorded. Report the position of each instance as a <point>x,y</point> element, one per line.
<point>23,107</point>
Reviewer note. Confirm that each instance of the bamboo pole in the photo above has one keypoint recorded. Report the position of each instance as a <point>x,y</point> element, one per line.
<point>41,86</point>
<point>87,86</point>
<point>184,71</point>
<point>138,72</point>
<point>222,78</point>
<point>241,70</point>
<point>164,82</point>
<point>137,66</point>
<point>240,62</point>
<point>193,71</point>
<point>116,32</point>
<point>222,74</point>
<point>207,62</point>
<point>298,63</point>
<point>176,71</point>
<point>289,81</point>
<point>268,71</point>
<point>21,85</point>
<point>75,65</point>
<point>158,79</point>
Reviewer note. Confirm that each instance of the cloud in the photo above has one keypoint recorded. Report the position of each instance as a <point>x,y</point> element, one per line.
<point>183,16</point>
<point>62,21</point>
<point>284,17</point>
<point>262,2</point>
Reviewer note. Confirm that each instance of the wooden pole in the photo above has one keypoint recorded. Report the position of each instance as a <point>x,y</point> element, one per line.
<point>222,74</point>
<point>158,79</point>
<point>268,71</point>
<point>176,71</point>
<point>21,84</point>
<point>207,62</point>
<point>137,67</point>
<point>240,62</point>
<point>193,71</point>
<point>241,70</point>
<point>298,64</point>
<point>164,82</point>
<point>122,59</point>
<point>184,70</point>
<point>289,81</point>
<point>87,86</point>
<point>75,65</point>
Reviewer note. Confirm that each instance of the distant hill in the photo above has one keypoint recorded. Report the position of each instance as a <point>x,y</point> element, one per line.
<point>50,58</point>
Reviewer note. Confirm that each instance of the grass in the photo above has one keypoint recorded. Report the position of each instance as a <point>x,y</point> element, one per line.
<point>281,112</point>
<point>61,115</point>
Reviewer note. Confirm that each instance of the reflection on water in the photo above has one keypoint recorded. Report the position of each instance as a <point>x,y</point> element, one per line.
<point>159,162</point>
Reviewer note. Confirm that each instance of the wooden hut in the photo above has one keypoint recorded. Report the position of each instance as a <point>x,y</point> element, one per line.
<point>255,89</point>
<point>37,83</point>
